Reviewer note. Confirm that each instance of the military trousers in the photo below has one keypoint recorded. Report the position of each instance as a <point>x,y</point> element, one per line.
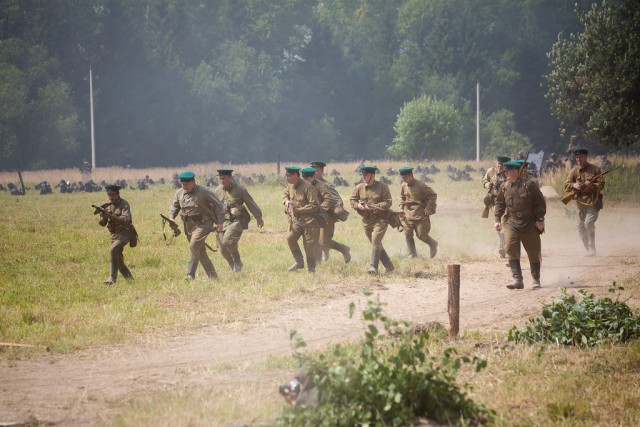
<point>310,234</point>
<point>116,253</point>
<point>530,239</point>
<point>421,229</point>
<point>196,235</point>
<point>587,217</point>
<point>375,231</point>
<point>232,232</point>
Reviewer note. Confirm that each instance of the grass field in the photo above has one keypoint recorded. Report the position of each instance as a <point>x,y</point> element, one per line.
<point>54,257</point>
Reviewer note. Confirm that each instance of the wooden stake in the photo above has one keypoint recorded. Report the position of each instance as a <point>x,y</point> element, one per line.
<point>454,300</point>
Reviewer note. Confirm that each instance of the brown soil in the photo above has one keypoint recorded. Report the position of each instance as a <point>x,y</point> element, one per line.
<point>88,387</point>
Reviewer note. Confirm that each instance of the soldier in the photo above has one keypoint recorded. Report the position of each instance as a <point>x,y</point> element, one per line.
<point>201,212</point>
<point>328,217</point>
<point>372,199</point>
<point>301,205</point>
<point>116,216</point>
<point>588,197</point>
<point>418,203</point>
<point>525,208</point>
<point>236,201</point>
<point>492,181</point>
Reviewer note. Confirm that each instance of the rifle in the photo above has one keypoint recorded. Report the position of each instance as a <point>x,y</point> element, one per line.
<point>566,199</point>
<point>523,166</point>
<point>174,227</point>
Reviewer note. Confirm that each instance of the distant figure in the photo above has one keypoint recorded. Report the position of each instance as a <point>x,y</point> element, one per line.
<point>85,168</point>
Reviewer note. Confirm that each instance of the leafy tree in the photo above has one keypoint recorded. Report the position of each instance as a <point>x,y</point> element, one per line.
<point>499,129</point>
<point>426,127</point>
<point>595,76</point>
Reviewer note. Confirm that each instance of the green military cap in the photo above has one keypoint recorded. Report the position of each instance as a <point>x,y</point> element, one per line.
<point>369,169</point>
<point>309,170</point>
<point>406,170</point>
<point>187,176</point>
<point>520,162</point>
<point>225,171</point>
<point>318,163</point>
<point>512,165</point>
<point>503,159</point>
<point>292,169</point>
<point>112,187</point>
<point>580,150</point>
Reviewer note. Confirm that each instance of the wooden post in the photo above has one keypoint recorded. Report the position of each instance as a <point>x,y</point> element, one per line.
<point>454,300</point>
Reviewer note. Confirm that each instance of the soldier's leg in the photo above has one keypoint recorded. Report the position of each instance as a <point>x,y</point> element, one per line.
<point>422,231</point>
<point>295,232</point>
<point>501,250</point>
<point>310,241</point>
<point>326,238</point>
<point>375,251</point>
<point>533,246</point>
<point>590,225</point>
<point>343,249</point>
<point>199,250</point>
<point>115,257</point>
<point>582,229</point>
<point>230,239</point>
<point>408,237</point>
<point>124,270</point>
<point>512,241</point>
<point>379,230</point>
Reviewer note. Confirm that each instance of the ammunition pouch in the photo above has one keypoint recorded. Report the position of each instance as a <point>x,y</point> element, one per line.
<point>193,217</point>
<point>393,218</point>
<point>341,213</point>
<point>321,217</point>
<point>133,236</point>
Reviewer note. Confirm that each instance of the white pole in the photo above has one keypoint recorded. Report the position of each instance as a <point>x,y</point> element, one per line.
<point>93,133</point>
<point>477,121</point>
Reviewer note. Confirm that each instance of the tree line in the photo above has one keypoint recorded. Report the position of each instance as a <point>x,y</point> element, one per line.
<point>180,81</point>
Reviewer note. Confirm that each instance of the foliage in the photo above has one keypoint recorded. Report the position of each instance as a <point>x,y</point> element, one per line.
<point>499,130</point>
<point>595,76</point>
<point>585,321</point>
<point>392,381</point>
<point>426,127</point>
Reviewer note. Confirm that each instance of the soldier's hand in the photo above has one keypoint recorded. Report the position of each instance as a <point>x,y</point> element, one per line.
<point>498,226</point>
<point>577,185</point>
<point>427,212</point>
<point>219,227</point>
<point>540,225</point>
<point>260,223</point>
<point>487,186</point>
<point>588,184</point>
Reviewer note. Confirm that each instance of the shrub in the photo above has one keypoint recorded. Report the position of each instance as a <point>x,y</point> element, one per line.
<point>391,381</point>
<point>585,321</point>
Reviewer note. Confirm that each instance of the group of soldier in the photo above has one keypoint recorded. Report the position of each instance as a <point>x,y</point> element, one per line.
<point>520,210</point>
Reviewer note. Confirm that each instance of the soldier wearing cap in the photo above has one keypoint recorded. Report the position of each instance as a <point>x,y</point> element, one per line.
<point>372,200</point>
<point>588,197</point>
<point>492,181</point>
<point>335,212</point>
<point>327,217</point>
<point>201,212</point>
<point>301,204</point>
<point>525,209</point>
<point>116,216</point>
<point>237,204</point>
<point>418,203</point>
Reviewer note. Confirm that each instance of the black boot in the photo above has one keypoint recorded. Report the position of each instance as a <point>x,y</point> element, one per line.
<point>344,250</point>
<point>386,261</point>
<point>433,246</point>
<point>311,263</point>
<point>113,273</point>
<point>299,261</point>
<point>411,247</point>
<point>226,254</point>
<point>237,262</point>
<point>516,272</point>
<point>191,271</point>
<point>535,273</point>
<point>375,260</point>
<point>208,267</point>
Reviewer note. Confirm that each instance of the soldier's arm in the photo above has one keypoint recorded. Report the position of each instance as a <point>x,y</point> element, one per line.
<point>216,206</point>
<point>403,196</point>
<point>175,206</point>
<point>571,179</point>
<point>539,203</point>
<point>327,201</point>
<point>486,179</point>
<point>251,205</point>
<point>500,205</point>
<point>386,199</point>
<point>354,200</point>
<point>125,213</point>
<point>430,199</point>
<point>312,201</point>
<point>599,183</point>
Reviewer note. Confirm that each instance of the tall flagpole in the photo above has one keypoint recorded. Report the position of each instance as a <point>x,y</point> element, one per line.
<point>477,121</point>
<point>93,133</point>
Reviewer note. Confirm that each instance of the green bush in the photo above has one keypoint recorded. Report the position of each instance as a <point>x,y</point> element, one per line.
<point>585,321</point>
<point>391,381</point>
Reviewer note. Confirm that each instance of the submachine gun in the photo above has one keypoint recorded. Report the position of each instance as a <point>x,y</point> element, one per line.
<point>129,226</point>
<point>176,232</point>
<point>566,199</point>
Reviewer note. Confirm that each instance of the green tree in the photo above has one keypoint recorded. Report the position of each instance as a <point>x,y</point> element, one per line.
<point>499,130</point>
<point>426,127</point>
<point>595,76</point>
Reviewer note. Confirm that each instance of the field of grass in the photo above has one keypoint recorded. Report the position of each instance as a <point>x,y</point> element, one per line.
<point>54,257</point>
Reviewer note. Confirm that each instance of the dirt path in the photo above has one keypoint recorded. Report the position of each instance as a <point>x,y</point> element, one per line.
<point>87,387</point>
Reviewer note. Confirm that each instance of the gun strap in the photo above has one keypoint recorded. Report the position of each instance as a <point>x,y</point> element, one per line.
<point>167,241</point>
<point>232,200</point>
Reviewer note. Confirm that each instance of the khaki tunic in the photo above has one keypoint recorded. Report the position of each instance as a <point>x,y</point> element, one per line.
<point>415,198</point>
<point>243,201</point>
<point>524,204</point>
<point>495,178</point>
<point>304,224</point>
<point>587,196</point>
<point>375,222</point>
<point>327,203</point>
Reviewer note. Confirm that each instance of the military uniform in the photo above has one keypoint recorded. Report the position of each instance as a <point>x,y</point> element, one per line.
<point>495,178</point>
<point>200,210</point>
<point>377,196</point>
<point>588,200</point>
<point>415,198</point>
<point>524,205</point>
<point>237,204</point>
<point>119,223</point>
<point>302,220</point>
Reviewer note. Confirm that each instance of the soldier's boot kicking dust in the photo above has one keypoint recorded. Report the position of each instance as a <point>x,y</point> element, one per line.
<point>191,271</point>
<point>592,243</point>
<point>411,247</point>
<point>344,250</point>
<point>113,273</point>
<point>375,260</point>
<point>535,273</point>
<point>584,236</point>
<point>501,250</point>
<point>297,256</point>
<point>311,263</point>
<point>516,272</point>
<point>237,261</point>
<point>386,261</point>
<point>208,267</point>
<point>226,254</point>
<point>433,246</point>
